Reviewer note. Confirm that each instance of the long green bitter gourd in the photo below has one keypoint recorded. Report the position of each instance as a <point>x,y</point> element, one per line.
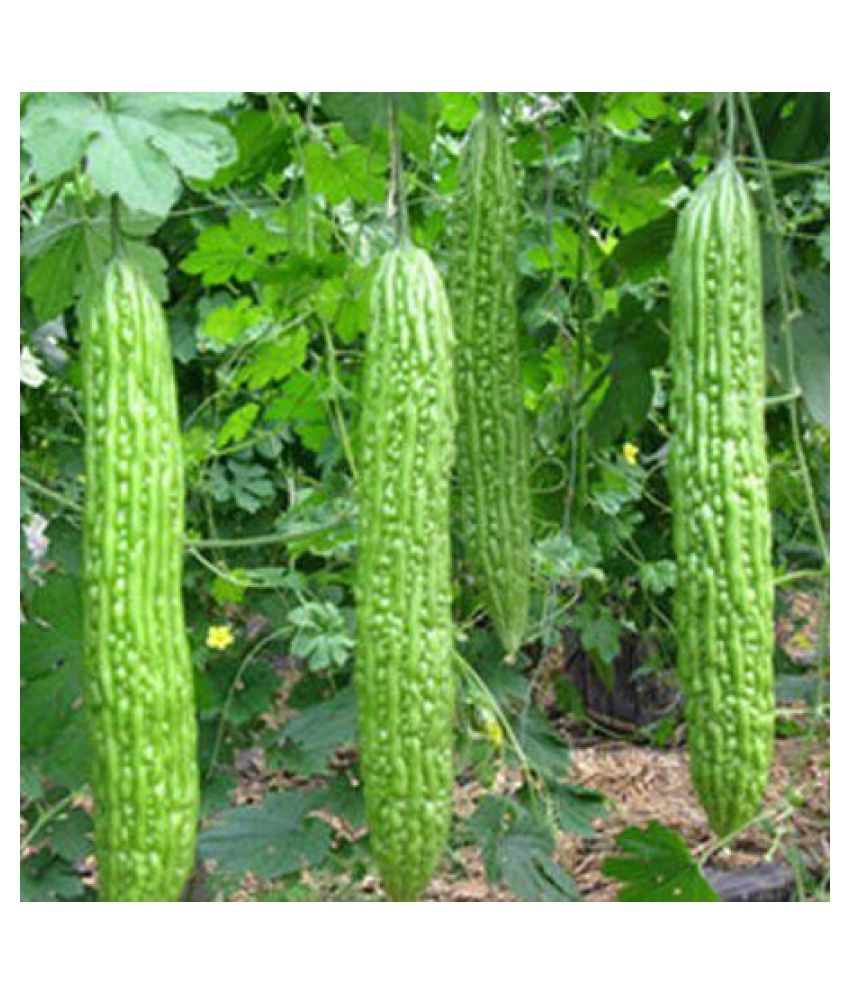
<point>492,442</point>
<point>404,676</point>
<point>719,487</point>
<point>138,675</point>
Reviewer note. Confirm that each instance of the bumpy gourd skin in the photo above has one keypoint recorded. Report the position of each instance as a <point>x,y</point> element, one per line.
<point>138,690</point>
<point>719,486</point>
<point>492,458</point>
<point>404,676</point>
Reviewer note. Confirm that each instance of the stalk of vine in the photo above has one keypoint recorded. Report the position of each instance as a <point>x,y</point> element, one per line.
<point>788,306</point>
<point>402,221</point>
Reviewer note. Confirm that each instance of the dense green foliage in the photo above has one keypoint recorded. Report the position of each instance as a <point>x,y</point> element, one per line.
<point>138,674</point>
<point>719,482</point>
<point>404,678</point>
<point>258,220</point>
<point>492,459</point>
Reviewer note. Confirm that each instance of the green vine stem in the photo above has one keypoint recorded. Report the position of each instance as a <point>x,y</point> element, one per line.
<point>336,409</point>
<point>269,539</point>
<point>579,443</point>
<point>44,491</point>
<point>788,305</point>
<point>402,222</point>
<point>225,708</point>
<point>246,542</point>
<point>534,782</point>
<point>796,575</point>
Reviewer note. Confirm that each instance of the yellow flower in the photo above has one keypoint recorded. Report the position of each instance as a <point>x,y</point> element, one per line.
<point>493,731</point>
<point>630,452</point>
<point>219,637</point>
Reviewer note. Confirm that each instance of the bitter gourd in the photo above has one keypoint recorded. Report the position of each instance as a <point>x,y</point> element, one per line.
<point>403,673</point>
<point>719,479</point>
<point>492,441</point>
<point>138,676</point>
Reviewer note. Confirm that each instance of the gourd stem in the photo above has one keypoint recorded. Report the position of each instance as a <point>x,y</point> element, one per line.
<point>491,104</point>
<point>402,225</point>
<point>787,301</point>
<point>115,227</point>
<point>731,124</point>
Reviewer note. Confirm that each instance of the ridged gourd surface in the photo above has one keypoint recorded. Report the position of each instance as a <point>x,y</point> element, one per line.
<point>404,675</point>
<point>138,674</point>
<point>492,437</point>
<point>719,487</point>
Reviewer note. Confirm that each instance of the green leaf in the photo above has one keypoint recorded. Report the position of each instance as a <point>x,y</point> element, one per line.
<point>69,835</point>
<point>518,851</point>
<point>354,173</point>
<point>458,110</point>
<point>345,799</point>
<point>656,866</point>
<point>56,129</point>
<point>599,630</point>
<point>506,683</point>
<point>265,146</point>
<point>316,732</point>
<point>359,112</point>
<point>637,344</point>
<point>238,425</point>
<point>363,113</point>
<point>55,882</point>
<point>228,590</point>
<point>52,276</point>
<point>627,111</point>
<point>234,252</point>
<point>43,649</point>
<point>135,144</point>
<point>628,200</point>
<point>247,484</point>
<point>642,252</point>
<point>46,706</point>
<point>224,323</point>
<point>578,807</point>
<point>547,753</point>
<point>274,359</point>
<point>300,405</point>
<point>66,760</point>
<point>574,557</point>
<point>811,346</point>
<point>322,634</point>
<point>66,253</point>
<point>274,838</point>
<point>616,487</point>
<point>657,577</point>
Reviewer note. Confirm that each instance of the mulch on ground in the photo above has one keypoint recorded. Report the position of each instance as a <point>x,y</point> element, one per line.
<point>643,784</point>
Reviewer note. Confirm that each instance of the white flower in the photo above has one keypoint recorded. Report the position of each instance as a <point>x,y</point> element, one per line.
<point>31,372</point>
